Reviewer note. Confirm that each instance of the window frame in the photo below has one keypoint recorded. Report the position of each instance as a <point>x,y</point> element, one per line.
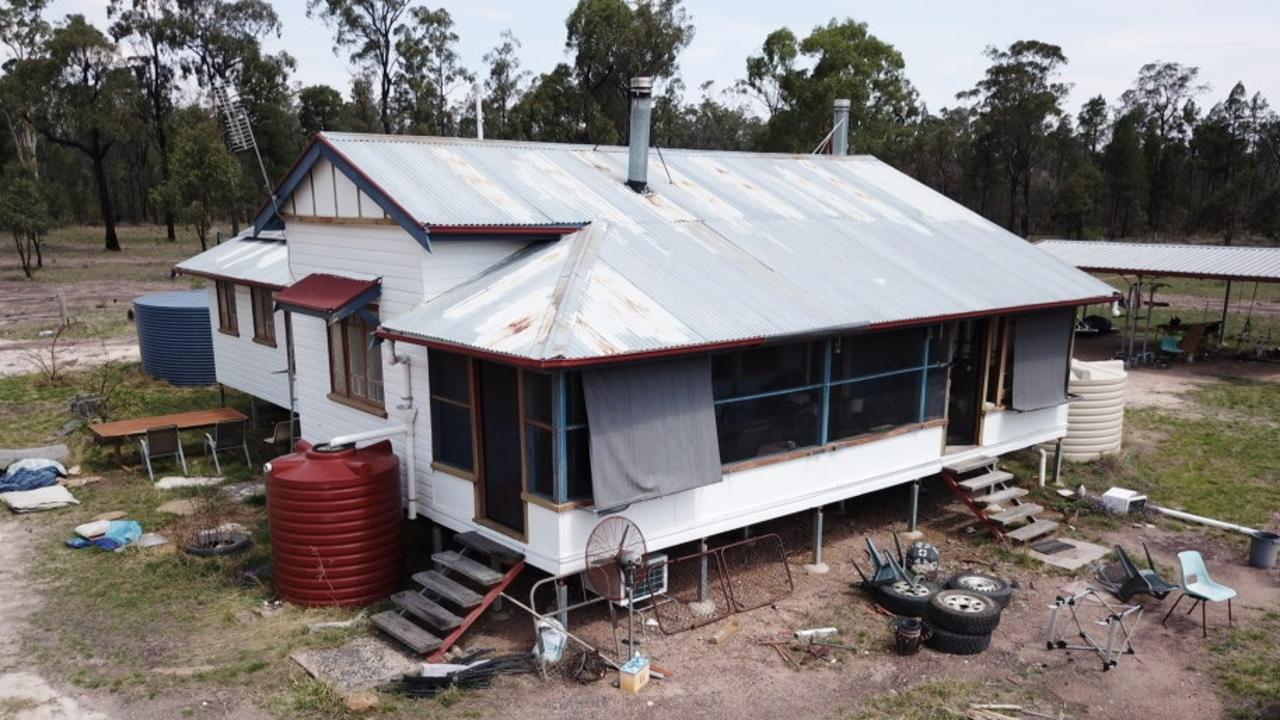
<point>826,384</point>
<point>225,294</point>
<point>345,396</point>
<point>262,304</point>
<point>470,406</point>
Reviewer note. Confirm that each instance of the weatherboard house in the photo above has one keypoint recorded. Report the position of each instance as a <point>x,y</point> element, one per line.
<point>698,340</point>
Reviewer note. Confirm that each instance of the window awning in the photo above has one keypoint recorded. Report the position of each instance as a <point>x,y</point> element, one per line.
<point>331,297</point>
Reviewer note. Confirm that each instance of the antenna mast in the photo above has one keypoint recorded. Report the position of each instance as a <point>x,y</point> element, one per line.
<point>238,131</point>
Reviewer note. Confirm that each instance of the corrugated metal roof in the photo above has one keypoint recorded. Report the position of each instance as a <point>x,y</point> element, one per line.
<point>622,289</point>
<point>324,293</point>
<point>459,182</point>
<point>257,261</point>
<point>1222,262</point>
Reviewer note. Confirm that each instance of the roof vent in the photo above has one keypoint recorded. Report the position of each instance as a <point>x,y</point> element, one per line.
<point>840,131</point>
<point>641,117</point>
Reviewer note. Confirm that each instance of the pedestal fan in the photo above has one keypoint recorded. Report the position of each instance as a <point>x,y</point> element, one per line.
<point>615,562</point>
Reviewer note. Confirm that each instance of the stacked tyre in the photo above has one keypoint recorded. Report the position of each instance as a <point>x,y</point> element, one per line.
<point>962,617</point>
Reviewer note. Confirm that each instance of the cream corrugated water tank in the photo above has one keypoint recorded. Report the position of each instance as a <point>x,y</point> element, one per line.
<point>1095,420</point>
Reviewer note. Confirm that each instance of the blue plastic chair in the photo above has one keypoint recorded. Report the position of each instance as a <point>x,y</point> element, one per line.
<point>1197,584</point>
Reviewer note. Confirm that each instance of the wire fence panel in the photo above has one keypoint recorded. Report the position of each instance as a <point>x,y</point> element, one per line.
<point>757,571</point>
<point>685,605</point>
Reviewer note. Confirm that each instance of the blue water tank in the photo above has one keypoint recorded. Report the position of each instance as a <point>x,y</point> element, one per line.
<point>175,338</point>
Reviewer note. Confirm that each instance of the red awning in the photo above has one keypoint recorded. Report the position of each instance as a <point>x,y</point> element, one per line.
<point>326,295</point>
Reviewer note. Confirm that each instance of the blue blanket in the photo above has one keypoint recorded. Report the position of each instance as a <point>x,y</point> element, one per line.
<point>119,533</point>
<point>27,479</point>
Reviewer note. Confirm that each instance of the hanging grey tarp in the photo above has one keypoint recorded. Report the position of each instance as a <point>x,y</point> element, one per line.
<point>1041,344</point>
<point>653,430</point>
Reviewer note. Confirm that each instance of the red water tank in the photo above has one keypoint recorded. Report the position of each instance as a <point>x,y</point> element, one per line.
<point>335,517</point>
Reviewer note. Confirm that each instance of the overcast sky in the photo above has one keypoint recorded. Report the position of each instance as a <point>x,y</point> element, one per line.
<point>941,40</point>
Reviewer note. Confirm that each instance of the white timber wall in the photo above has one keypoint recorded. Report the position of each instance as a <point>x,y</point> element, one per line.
<point>555,540</point>
<point>243,364</point>
<point>409,276</point>
<point>327,192</point>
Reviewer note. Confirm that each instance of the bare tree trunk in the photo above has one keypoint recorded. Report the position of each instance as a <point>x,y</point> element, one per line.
<point>111,240</point>
<point>24,253</point>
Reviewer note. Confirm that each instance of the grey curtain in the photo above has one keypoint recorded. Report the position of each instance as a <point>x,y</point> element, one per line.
<point>653,430</point>
<point>1041,344</point>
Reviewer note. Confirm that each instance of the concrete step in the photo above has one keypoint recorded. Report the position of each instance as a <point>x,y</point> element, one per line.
<point>468,568</point>
<point>1027,533</point>
<point>961,467</point>
<point>982,482</point>
<point>426,610</point>
<point>1001,496</point>
<point>1016,514</point>
<point>402,629</point>
<point>486,546</point>
<point>442,587</point>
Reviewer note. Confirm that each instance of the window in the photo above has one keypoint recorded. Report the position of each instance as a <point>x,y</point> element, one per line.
<point>452,439</point>
<point>559,476</point>
<point>264,318</point>
<point>226,293</point>
<point>355,364</point>
<point>776,399</point>
<point>548,422</point>
<point>768,400</point>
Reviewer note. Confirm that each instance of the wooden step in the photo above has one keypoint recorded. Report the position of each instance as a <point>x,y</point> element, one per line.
<point>468,568</point>
<point>443,587</point>
<point>487,546</point>
<point>982,482</point>
<point>426,610</point>
<point>1000,496</point>
<point>1016,514</point>
<point>961,467</point>
<point>1027,533</point>
<point>402,629</point>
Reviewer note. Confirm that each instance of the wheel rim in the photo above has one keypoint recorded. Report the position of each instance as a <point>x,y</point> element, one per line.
<point>964,603</point>
<point>977,584</point>
<point>902,587</point>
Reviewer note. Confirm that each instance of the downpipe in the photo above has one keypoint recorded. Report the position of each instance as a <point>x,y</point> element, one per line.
<point>406,427</point>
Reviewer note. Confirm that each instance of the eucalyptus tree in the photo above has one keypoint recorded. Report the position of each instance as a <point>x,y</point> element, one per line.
<point>368,29</point>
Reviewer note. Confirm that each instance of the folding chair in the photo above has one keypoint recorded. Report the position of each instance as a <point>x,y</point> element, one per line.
<point>159,442</point>
<point>281,434</point>
<point>1197,584</point>
<point>227,435</point>
<point>1127,579</point>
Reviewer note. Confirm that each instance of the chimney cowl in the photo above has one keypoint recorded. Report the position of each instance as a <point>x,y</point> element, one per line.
<point>638,145</point>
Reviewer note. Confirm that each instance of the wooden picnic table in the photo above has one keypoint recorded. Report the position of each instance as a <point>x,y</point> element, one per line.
<point>121,430</point>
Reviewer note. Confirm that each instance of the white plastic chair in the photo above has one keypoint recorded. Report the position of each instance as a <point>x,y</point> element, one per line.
<point>1197,584</point>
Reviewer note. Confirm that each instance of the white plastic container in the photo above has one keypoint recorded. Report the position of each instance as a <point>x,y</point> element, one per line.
<point>1095,421</point>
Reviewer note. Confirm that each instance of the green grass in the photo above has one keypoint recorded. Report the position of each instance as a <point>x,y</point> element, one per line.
<point>1224,468</point>
<point>1259,399</point>
<point>1247,666</point>
<point>33,409</point>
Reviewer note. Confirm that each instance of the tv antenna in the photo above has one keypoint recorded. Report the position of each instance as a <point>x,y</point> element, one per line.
<point>238,131</point>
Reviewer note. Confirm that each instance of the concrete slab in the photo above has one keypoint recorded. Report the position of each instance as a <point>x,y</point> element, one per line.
<point>361,664</point>
<point>1081,553</point>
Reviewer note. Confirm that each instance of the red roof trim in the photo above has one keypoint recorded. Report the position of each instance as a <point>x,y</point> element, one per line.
<point>324,293</point>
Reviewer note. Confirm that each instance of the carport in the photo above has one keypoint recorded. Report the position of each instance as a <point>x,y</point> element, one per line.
<point>1140,264</point>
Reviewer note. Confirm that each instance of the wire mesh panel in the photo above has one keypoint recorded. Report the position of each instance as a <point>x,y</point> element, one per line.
<point>757,572</point>
<point>686,604</point>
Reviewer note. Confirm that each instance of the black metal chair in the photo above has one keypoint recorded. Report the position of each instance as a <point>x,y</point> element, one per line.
<point>227,435</point>
<point>1127,579</point>
<point>160,442</point>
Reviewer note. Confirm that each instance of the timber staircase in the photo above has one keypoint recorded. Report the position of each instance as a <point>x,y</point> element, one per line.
<point>450,598</point>
<point>991,496</point>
